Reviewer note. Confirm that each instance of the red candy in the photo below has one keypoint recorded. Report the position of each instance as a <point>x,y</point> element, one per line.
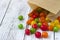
<point>27,32</point>
<point>45,23</point>
<point>38,35</point>
<point>35,26</point>
<point>34,16</point>
<point>44,28</point>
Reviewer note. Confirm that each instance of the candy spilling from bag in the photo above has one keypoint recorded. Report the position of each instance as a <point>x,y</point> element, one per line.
<point>44,16</point>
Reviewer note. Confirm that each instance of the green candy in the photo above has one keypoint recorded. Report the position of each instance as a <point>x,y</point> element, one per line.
<point>39,10</point>
<point>20,17</point>
<point>20,26</point>
<point>56,29</point>
<point>37,19</point>
<point>39,24</point>
<point>32,30</point>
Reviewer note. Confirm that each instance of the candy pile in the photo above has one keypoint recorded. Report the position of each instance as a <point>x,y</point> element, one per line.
<point>38,20</point>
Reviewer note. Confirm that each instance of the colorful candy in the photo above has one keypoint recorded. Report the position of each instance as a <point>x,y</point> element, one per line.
<point>38,35</point>
<point>37,19</point>
<point>50,28</point>
<point>44,28</point>
<point>20,26</point>
<point>44,34</point>
<point>20,17</point>
<point>27,32</point>
<point>32,30</point>
<point>35,26</point>
<point>39,24</point>
<point>56,22</point>
<point>56,29</point>
<point>33,22</point>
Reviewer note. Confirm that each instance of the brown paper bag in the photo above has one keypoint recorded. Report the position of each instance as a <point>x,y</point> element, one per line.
<point>51,5</point>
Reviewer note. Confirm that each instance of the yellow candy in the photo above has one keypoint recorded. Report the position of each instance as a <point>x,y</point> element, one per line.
<point>33,22</point>
<point>47,19</point>
<point>58,26</point>
<point>56,22</point>
<point>52,24</point>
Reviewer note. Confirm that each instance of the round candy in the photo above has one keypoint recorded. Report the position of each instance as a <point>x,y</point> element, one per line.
<point>50,28</point>
<point>39,24</point>
<point>58,26</point>
<point>33,22</point>
<point>48,20</point>
<point>32,30</point>
<point>27,32</point>
<point>42,14</point>
<point>45,23</point>
<point>42,19</point>
<point>58,18</point>
<point>37,19</point>
<point>38,35</point>
<point>56,29</point>
<point>52,24</point>
<point>39,10</point>
<point>34,16</point>
<point>31,18</point>
<point>44,28</point>
<point>44,34</point>
<point>30,14</point>
<point>20,26</point>
<point>56,22</point>
<point>35,26</point>
<point>29,22</point>
<point>20,17</point>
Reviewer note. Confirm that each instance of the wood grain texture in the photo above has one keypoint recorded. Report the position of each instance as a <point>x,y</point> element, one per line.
<point>9,28</point>
<point>4,5</point>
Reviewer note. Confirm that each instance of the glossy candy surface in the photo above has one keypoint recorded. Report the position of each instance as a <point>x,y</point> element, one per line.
<point>44,28</point>
<point>20,17</point>
<point>27,32</point>
<point>20,26</point>
<point>44,34</point>
<point>56,29</point>
<point>33,22</point>
<point>35,26</point>
<point>32,30</point>
<point>38,35</point>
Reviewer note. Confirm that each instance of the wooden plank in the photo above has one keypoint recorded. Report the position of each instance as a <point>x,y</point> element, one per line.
<point>4,4</point>
<point>50,35</point>
<point>10,22</point>
<point>57,35</point>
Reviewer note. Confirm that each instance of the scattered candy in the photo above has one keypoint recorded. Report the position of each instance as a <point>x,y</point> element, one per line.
<point>38,35</point>
<point>20,17</point>
<point>39,24</point>
<point>33,22</point>
<point>27,32</point>
<point>32,30</point>
<point>35,26</point>
<point>20,26</point>
<point>37,19</point>
<point>56,29</point>
<point>44,28</point>
<point>50,28</point>
<point>44,34</point>
<point>56,22</point>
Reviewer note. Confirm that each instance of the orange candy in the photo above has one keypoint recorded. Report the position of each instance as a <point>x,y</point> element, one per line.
<point>44,34</point>
<point>50,28</point>
<point>30,20</point>
<point>58,18</point>
<point>42,14</point>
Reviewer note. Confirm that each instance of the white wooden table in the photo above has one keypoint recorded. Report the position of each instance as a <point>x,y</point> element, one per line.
<point>9,12</point>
